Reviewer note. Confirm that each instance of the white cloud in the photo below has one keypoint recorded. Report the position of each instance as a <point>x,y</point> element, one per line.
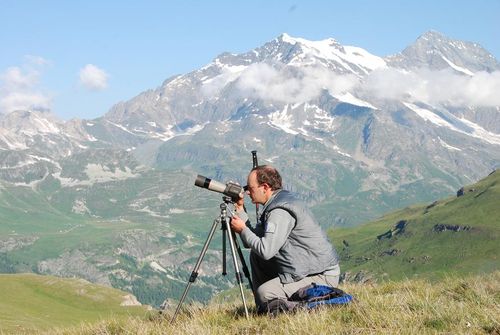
<point>93,78</point>
<point>19,86</point>
<point>36,60</point>
<point>445,86</point>
<point>292,84</point>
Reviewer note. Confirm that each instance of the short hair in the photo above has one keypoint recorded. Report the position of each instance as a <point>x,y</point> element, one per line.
<point>269,175</point>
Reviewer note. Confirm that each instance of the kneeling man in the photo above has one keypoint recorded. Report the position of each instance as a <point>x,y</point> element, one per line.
<point>289,250</point>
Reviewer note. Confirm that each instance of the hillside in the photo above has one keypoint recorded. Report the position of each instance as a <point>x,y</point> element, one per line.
<point>31,302</point>
<point>456,235</point>
<point>468,305</point>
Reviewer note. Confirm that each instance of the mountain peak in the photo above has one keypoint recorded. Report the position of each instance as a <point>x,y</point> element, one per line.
<point>31,121</point>
<point>433,35</point>
<point>297,40</point>
<point>437,51</point>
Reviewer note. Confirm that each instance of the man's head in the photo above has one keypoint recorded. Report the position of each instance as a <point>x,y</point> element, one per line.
<point>262,181</point>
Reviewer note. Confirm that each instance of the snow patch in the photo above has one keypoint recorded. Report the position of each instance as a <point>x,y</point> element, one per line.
<point>157,267</point>
<point>330,49</point>
<point>97,173</point>
<point>282,120</point>
<point>456,67</point>
<point>341,152</point>
<point>427,115</point>
<point>100,173</point>
<point>11,142</point>
<point>271,159</point>
<point>120,127</point>
<point>41,125</point>
<point>447,146</point>
<point>228,74</point>
<point>363,58</point>
<point>176,211</point>
<point>351,99</point>
<point>148,211</point>
<point>476,130</point>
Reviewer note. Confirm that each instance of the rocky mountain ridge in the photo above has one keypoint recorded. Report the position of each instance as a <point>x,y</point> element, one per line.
<point>354,134</point>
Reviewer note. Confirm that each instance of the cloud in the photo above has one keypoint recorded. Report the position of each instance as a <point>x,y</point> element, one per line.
<point>292,84</point>
<point>93,78</point>
<point>19,86</point>
<point>36,60</point>
<point>434,87</point>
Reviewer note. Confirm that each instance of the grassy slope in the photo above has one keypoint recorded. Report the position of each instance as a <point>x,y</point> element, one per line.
<point>29,302</point>
<point>26,212</point>
<point>422,251</point>
<point>468,305</point>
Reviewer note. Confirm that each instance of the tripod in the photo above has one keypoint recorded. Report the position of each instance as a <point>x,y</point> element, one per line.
<point>233,243</point>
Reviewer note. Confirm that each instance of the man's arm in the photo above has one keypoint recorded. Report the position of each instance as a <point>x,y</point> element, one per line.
<point>277,228</point>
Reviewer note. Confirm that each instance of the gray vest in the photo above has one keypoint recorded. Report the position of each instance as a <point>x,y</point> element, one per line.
<point>307,250</point>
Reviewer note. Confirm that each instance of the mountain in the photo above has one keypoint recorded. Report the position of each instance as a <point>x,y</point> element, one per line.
<point>356,135</point>
<point>455,235</point>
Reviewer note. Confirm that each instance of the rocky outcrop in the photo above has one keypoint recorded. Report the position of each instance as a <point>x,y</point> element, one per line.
<point>419,259</point>
<point>74,264</point>
<point>358,277</point>
<point>130,300</point>
<point>461,191</point>
<point>391,252</point>
<point>456,228</point>
<point>430,206</point>
<point>399,228</point>
<point>11,243</point>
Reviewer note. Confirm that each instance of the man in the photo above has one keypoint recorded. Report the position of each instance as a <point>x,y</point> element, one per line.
<point>288,248</point>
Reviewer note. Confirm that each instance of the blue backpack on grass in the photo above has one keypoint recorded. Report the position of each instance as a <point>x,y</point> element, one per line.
<point>308,297</point>
<point>315,295</point>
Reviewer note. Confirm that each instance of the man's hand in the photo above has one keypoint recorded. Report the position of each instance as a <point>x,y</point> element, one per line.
<point>238,205</point>
<point>237,224</point>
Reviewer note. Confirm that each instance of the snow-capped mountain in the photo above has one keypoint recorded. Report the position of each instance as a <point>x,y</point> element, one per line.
<point>331,107</point>
<point>353,133</point>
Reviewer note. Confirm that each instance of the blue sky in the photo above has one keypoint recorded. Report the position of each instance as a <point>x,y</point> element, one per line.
<point>79,58</point>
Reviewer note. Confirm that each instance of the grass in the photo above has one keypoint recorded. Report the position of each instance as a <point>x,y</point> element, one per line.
<point>31,303</point>
<point>464,305</point>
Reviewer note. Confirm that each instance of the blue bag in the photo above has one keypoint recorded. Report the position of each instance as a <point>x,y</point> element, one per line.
<point>308,297</point>
<point>314,295</point>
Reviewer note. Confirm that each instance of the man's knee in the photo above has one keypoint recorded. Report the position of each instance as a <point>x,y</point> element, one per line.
<point>261,294</point>
<point>270,290</point>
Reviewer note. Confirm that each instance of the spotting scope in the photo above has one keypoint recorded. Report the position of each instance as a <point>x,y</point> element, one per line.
<point>230,189</point>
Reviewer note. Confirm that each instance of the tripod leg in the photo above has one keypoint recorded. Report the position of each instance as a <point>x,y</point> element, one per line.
<point>235,262</point>
<point>194,274</point>
<point>242,259</point>
<point>224,269</point>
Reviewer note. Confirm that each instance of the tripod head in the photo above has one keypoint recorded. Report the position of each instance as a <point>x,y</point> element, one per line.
<point>227,200</point>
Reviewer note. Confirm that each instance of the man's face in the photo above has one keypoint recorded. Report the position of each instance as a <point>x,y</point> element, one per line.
<point>255,191</point>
